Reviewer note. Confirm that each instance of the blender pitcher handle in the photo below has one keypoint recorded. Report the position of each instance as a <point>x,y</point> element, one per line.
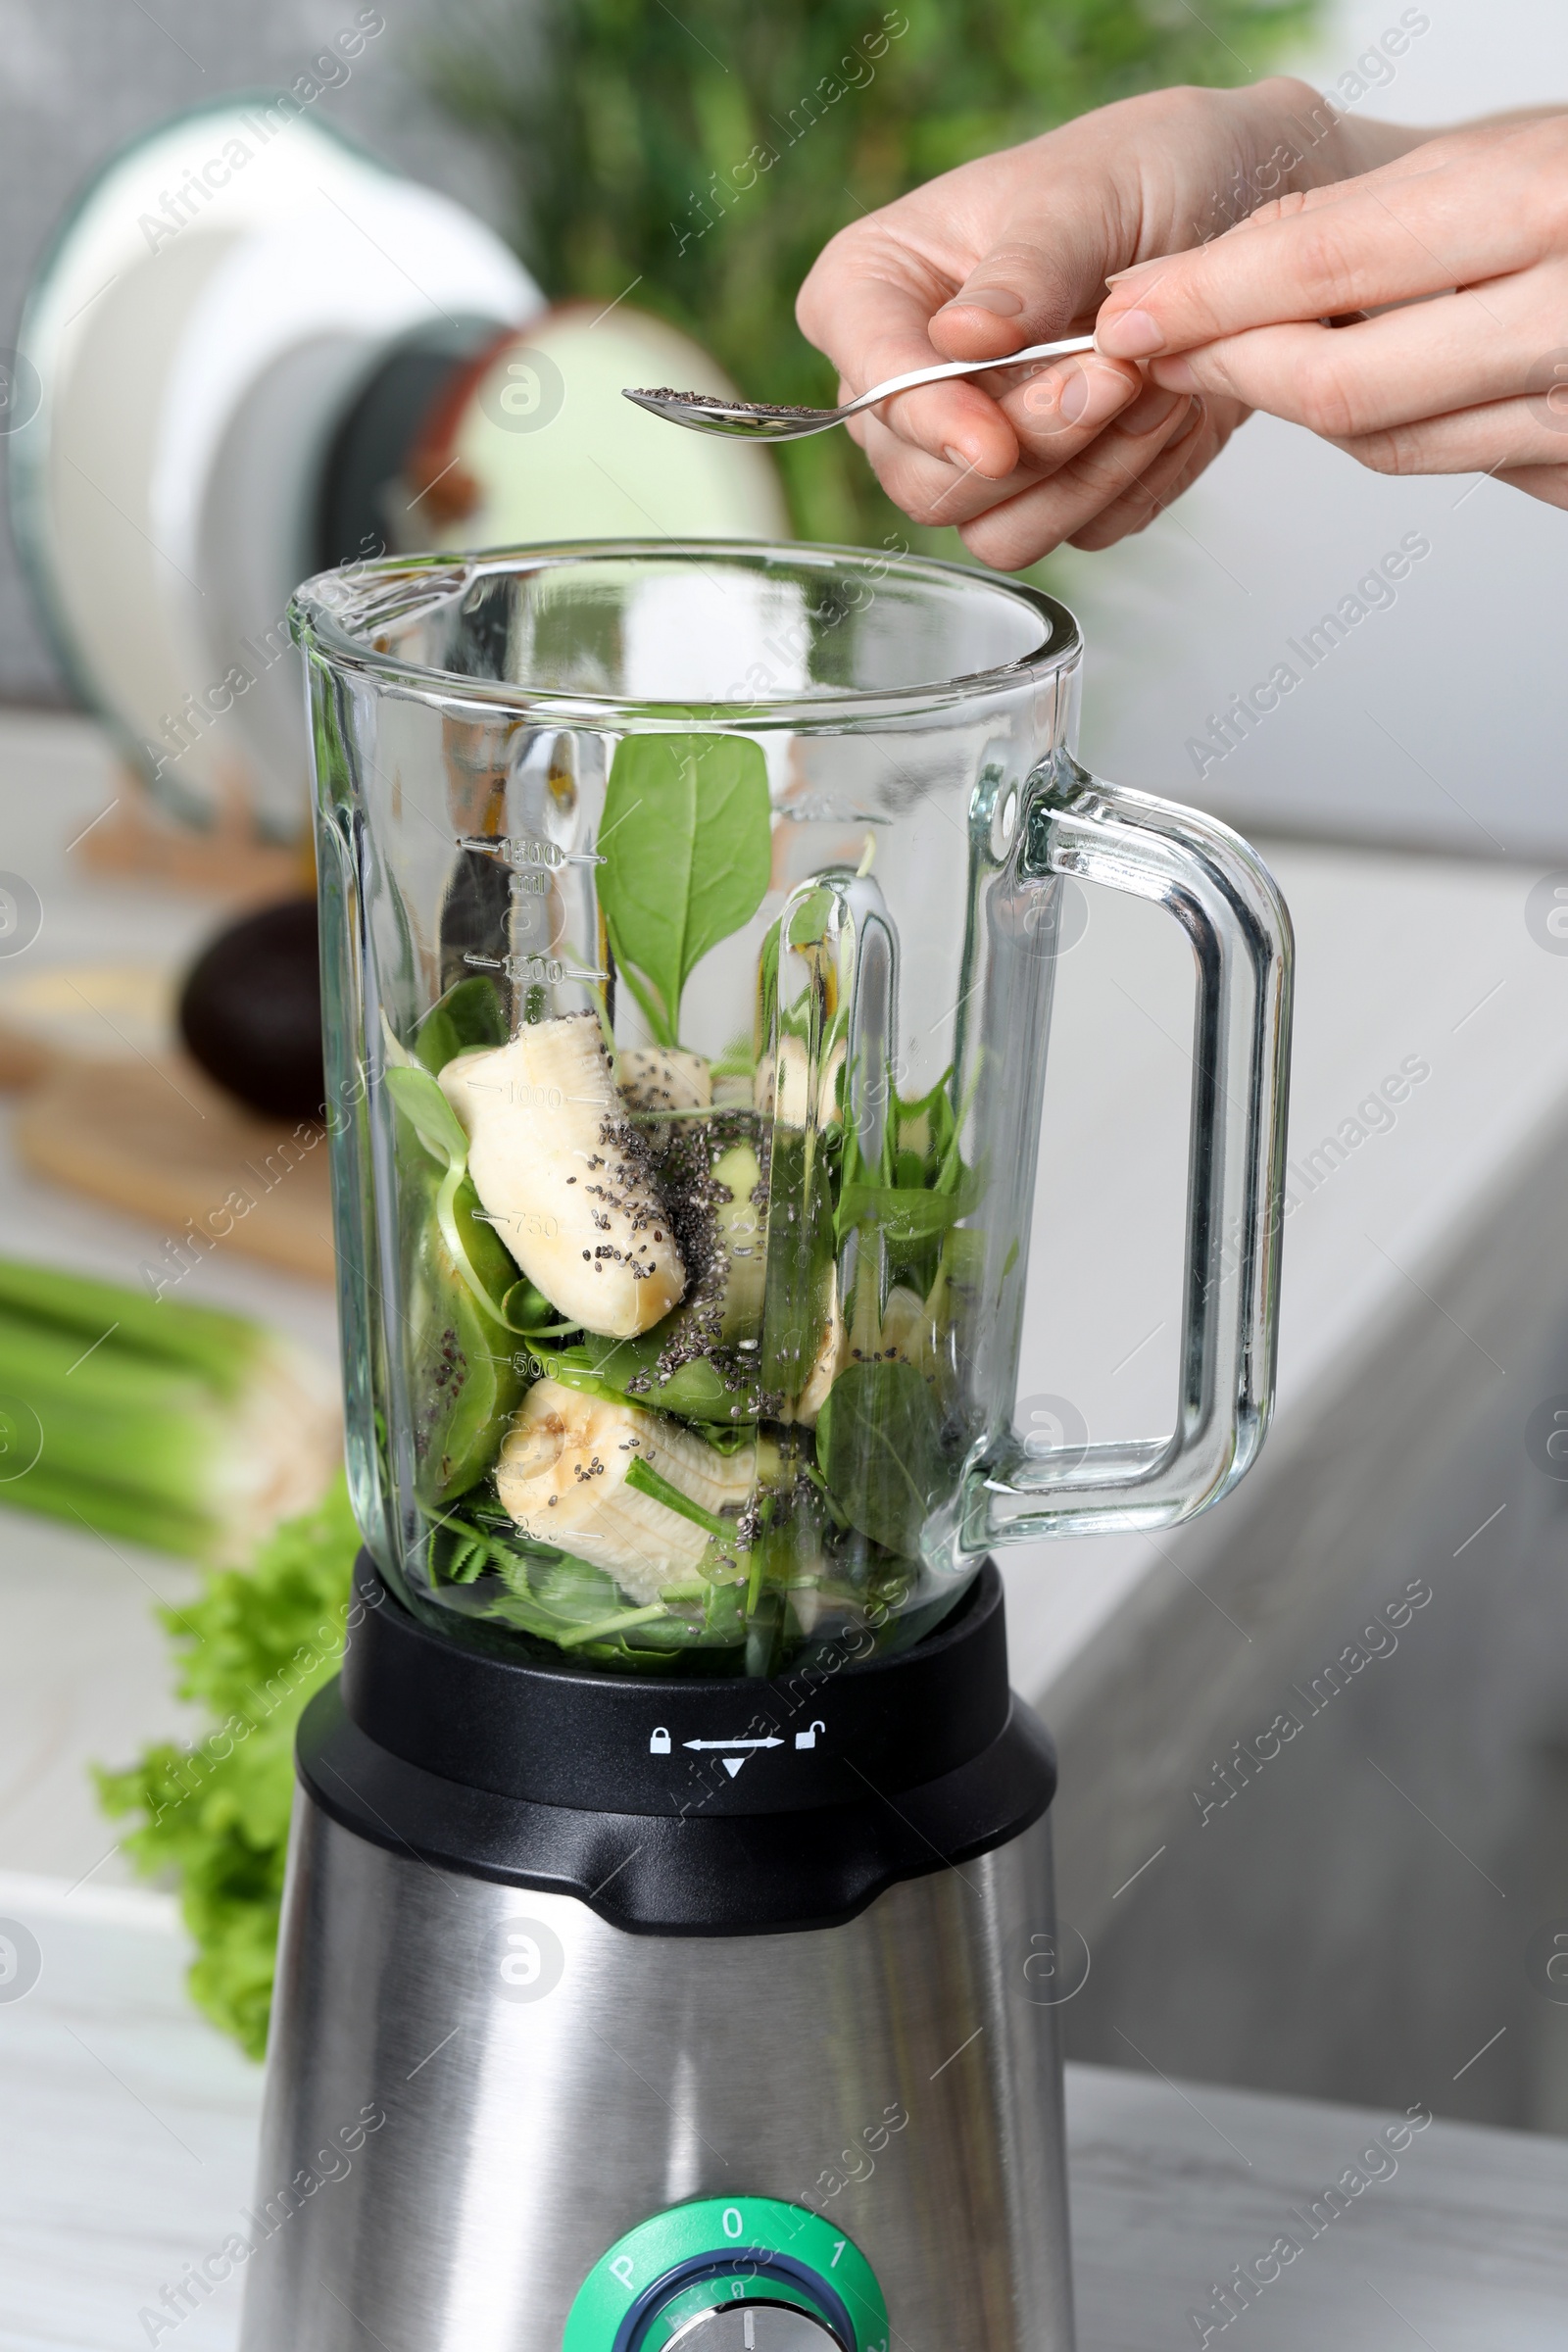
<point>1226,901</point>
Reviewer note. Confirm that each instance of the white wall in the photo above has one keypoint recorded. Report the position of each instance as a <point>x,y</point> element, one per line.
<point>1443,717</point>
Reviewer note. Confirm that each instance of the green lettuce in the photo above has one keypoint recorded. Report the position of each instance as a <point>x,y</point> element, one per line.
<point>212,1819</point>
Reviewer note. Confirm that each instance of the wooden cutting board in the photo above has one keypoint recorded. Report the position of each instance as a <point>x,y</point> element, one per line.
<point>153,1137</point>
<point>78,1012</point>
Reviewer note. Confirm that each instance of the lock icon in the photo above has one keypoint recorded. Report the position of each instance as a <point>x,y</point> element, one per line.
<point>809,1738</point>
<point>659,1744</point>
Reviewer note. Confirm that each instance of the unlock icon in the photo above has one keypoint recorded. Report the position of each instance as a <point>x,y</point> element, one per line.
<point>809,1738</point>
<point>659,1744</point>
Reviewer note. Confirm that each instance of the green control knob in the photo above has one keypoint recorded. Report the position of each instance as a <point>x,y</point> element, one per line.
<point>754,2327</point>
<point>730,2274</point>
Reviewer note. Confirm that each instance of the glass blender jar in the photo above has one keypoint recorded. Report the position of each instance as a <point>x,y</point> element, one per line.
<point>690,916</point>
<point>694,944</point>
<point>672,1855</point>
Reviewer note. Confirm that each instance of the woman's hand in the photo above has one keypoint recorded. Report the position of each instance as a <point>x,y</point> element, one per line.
<point>1468,233</point>
<point>1015,249</point>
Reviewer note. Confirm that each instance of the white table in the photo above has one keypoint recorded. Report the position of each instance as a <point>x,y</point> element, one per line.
<point>129,2143</point>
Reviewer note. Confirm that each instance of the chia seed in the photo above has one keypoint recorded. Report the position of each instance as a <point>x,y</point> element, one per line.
<point>746,407</point>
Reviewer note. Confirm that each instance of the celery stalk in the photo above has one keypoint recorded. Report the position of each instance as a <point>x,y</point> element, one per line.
<point>120,1511</point>
<point>189,1430</point>
<point>203,1339</point>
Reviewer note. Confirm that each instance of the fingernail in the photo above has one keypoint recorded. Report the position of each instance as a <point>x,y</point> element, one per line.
<point>1071,396</point>
<point>1000,300</point>
<point>1074,396</point>
<point>1134,336</point>
<point>1153,407</point>
<point>1082,394</point>
<point>1136,271</point>
<point>967,465</point>
<point>1194,420</point>
<point>1175,375</point>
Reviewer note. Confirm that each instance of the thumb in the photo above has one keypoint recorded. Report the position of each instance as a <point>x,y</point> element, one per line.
<point>1025,291</point>
<point>1036,284</point>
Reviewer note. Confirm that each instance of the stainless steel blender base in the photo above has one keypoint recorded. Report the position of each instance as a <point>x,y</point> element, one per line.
<point>474,2089</point>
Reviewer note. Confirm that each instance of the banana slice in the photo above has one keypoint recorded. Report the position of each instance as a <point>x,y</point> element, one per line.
<point>902,1336</point>
<point>905,1337</point>
<point>905,1332</point>
<point>653,1078</point>
<point>562,1177</point>
<point>826,1365</point>
<point>561,1474</point>
<point>787,1099</point>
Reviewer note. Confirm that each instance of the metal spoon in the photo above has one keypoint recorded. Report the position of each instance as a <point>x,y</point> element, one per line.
<point>761,421</point>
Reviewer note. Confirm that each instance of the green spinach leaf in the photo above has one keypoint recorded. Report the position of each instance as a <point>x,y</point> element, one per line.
<point>460,1374</point>
<point>687,848</point>
<point>477,1251</point>
<point>626,1372</point>
<point>879,1449</point>
<point>648,1481</point>
<point>528,1313</point>
<point>470,1013</point>
<point>458,1271</point>
<point>428,1112</point>
<point>906,1212</point>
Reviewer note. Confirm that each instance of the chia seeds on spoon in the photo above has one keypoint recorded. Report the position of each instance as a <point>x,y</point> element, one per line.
<point>717,400</point>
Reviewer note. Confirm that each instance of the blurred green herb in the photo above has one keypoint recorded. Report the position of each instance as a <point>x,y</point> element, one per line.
<point>634,133</point>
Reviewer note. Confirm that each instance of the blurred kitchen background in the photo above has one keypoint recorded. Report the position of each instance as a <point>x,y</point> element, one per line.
<point>1364,1910</point>
<point>1436,723</point>
<point>79,85</point>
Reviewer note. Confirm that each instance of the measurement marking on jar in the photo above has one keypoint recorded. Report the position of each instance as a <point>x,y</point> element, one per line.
<point>527,1097</point>
<point>523,849</point>
<point>537,1227</point>
<point>533,968</point>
